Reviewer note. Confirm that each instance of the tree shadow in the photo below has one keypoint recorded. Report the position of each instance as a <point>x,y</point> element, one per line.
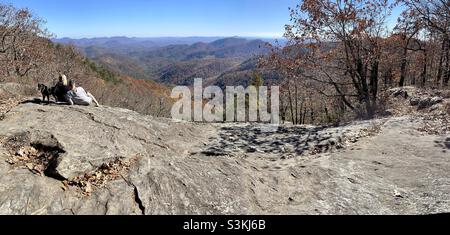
<point>445,144</point>
<point>297,140</point>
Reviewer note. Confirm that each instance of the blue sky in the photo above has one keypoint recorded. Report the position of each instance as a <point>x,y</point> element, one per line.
<point>154,18</point>
<point>159,18</point>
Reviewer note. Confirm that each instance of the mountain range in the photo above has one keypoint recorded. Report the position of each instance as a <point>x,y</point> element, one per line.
<point>177,61</point>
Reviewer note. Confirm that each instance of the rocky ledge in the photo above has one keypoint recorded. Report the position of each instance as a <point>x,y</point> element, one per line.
<point>86,160</point>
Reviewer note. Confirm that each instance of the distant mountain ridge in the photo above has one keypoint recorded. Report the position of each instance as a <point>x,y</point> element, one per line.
<point>174,61</point>
<point>152,41</point>
<point>133,42</point>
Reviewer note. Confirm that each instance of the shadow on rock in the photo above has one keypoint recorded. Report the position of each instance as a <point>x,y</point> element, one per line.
<point>285,140</point>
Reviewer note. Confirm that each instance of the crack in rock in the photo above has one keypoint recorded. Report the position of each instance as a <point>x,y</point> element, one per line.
<point>91,117</point>
<point>138,200</point>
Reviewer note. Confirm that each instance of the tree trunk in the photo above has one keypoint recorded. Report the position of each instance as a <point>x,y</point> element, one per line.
<point>301,112</point>
<point>290,103</point>
<point>327,115</point>
<point>447,65</point>
<point>424,71</point>
<point>441,61</point>
<point>296,104</point>
<point>374,80</point>
<point>304,114</point>
<point>403,67</point>
<point>365,99</point>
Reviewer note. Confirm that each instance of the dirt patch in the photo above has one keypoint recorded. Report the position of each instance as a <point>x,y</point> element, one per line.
<point>12,94</point>
<point>447,107</point>
<point>411,100</point>
<point>6,105</point>
<point>89,182</point>
<point>430,106</point>
<point>42,159</point>
<point>435,124</point>
<point>38,158</point>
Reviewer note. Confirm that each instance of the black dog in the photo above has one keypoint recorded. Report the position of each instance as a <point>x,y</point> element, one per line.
<point>47,92</point>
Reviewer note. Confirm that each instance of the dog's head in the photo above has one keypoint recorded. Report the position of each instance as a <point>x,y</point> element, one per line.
<point>41,86</point>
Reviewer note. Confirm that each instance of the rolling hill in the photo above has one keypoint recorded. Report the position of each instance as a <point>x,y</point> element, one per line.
<point>177,61</point>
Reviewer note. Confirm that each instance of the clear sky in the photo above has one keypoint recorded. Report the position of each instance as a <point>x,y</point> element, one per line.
<point>154,18</point>
<point>159,18</point>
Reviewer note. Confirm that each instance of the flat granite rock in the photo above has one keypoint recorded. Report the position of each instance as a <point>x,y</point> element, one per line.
<point>177,167</point>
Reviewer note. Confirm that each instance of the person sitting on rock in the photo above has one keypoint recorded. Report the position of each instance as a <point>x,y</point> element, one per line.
<point>78,96</point>
<point>61,89</point>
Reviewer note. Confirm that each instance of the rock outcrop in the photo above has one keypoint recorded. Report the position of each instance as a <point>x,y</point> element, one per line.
<point>85,160</point>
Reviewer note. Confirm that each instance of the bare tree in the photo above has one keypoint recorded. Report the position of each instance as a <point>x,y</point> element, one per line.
<point>338,44</point>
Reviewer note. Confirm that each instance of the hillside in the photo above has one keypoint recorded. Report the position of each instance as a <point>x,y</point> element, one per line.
<point>244,73</point>
<point>110,87</point>
<point>116,161</point>
<point>29,57</point>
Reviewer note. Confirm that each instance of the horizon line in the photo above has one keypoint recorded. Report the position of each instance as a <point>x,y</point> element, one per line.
<point>144,37</point>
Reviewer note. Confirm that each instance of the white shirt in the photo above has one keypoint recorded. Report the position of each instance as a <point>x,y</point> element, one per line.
<point>79,97</point>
